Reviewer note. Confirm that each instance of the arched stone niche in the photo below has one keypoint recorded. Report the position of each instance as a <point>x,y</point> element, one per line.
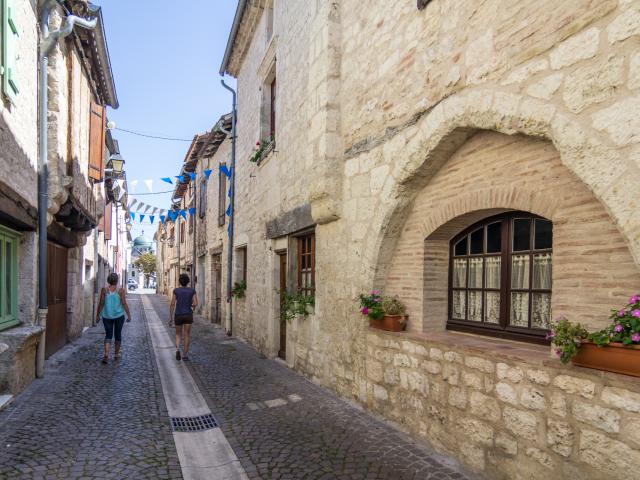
<point>593,269</point>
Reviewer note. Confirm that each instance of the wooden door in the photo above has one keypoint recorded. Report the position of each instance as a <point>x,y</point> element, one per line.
<point>56,334</point>
<point>282,351</point>
<point>217,287</point>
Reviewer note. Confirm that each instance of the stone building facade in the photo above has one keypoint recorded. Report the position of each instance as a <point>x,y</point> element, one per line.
<point>80,86</point>
<point>199,238</point>
<point>397,131</point>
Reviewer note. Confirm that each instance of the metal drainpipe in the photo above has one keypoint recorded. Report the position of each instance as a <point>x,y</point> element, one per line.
<point>195,226</point>
<point>232,205</point>
<point>49,41</point>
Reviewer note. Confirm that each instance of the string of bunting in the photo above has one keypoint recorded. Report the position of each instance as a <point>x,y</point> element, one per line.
<point>144,211</point>
<point>175,180</point>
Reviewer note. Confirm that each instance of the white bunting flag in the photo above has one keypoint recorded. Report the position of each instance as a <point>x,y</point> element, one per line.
<point>147,208</point>
<point>155,209</point>
<point>140,206</point>
<point>133,202</point>
<point>149,184</point>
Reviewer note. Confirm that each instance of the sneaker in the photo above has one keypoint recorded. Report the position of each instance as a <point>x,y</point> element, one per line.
<point>185,358</point>
<point>105,360</point>
<point>178,357</point>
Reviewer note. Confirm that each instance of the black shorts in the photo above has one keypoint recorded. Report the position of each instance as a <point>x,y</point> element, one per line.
<point>187,318</point>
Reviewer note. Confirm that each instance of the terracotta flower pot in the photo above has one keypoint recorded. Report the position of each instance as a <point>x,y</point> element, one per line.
<point>615,357</point>
<point>390,323</point>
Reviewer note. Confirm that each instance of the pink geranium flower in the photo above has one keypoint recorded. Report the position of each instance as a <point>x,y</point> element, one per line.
<point>621,313</point>
<point>634,298</point>
<point>375,292</point>
<point>617,328</point>
<point>365,311</point>
<point>635,313</point>
<point>635,337</point>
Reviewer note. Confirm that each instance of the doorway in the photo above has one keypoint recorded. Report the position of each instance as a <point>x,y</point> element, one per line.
<point>56,333</point>
<point>282,351</point>
<point>216,273</point>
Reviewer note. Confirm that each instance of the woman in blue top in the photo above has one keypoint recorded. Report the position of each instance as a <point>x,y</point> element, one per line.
<point>183,301</point>
<point>111,308</point>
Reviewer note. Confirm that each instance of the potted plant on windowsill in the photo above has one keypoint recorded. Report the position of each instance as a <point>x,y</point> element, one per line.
<point>263,147</point>
<point>296,305</point>
<point>615,348</point>
<point>385,313</point>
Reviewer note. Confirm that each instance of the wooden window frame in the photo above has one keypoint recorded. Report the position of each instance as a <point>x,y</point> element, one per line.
<point>272,109</point>
<point>503,329</point>
<point>306,250</point>
<point>241,264</point>
<point>9,318</point>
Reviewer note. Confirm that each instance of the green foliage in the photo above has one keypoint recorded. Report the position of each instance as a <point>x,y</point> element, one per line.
<point>295,305</point>
<point>625,326</point>
<point>566,337</point>
<point>261,148</point>
<point>239,289</point>
<point>393,306</point>
<point>375,306</point>
<point>147,263</point>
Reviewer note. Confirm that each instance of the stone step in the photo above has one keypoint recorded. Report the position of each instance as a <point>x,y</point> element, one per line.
<point>5,401</point>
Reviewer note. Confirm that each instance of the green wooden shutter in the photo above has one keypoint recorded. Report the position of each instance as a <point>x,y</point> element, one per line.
<point>9,51</point>
<point>8,278</point>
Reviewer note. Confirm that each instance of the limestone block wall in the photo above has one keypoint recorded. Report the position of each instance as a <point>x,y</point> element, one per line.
<point>20,121</point>
<point>509,415</point>
<point>416,92</point>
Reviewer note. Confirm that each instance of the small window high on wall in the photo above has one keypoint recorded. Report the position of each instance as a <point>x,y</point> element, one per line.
<point>500,277</point>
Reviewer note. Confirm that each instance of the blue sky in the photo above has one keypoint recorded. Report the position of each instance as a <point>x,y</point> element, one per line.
<point>165,57</point>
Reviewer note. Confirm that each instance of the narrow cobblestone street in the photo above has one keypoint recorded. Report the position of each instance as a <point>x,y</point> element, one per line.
<point>87,420</point>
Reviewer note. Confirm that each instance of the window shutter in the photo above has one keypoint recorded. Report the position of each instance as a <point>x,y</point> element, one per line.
<point>96,142</point>
<point>107,221</point>
<point>9,54</point>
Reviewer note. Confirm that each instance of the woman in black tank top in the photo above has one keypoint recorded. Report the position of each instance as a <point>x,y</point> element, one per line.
<point>183,301</point>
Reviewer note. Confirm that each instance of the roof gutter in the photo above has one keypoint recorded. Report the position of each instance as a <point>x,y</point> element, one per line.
<point>104,58</point>
<point>242,5</point>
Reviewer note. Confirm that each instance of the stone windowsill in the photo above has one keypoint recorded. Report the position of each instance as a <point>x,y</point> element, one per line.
<point>17,337</point>
<point>507,350</point>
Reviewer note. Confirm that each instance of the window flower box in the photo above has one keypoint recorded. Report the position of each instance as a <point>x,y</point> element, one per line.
<point>615,357</point>
<point>615,348</point>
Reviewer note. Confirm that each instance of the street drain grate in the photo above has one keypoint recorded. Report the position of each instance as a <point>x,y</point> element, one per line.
<point>193,424</point>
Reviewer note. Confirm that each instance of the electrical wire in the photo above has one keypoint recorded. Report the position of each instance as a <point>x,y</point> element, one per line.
<point>156,137</point>
<point>152,193</point>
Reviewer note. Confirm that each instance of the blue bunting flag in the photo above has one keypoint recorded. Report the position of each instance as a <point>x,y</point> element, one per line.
<point>225,170</point>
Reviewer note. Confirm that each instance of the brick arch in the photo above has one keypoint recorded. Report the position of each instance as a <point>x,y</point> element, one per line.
<point>489,174</point>
<point>448,125</point>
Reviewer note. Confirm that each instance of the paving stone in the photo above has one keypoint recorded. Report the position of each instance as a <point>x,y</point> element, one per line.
<point>316,435</point>
<point>88,420</point>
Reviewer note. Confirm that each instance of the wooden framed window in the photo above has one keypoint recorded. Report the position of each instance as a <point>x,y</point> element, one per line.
<point>241,264</point>
<point>307,264</point>
<point>222,197</point>
<point>8,277</point>
<point>202,200</point>
<point>97,131</point>
<point>500,277</point>
<point>272,110</point>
